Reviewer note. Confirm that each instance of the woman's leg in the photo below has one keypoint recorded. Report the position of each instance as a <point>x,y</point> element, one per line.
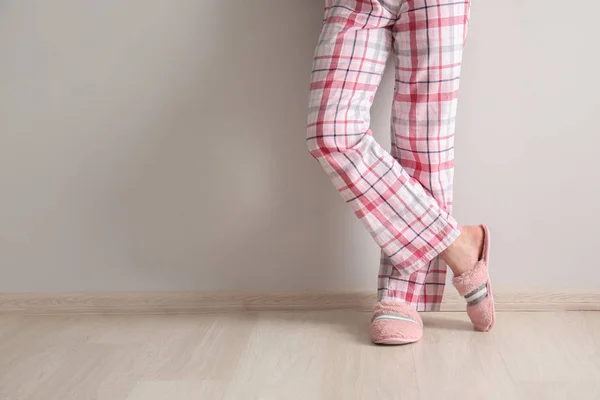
<point>428,43</point>
<point>405,219</point>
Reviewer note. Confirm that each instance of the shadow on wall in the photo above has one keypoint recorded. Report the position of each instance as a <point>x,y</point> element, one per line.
<point>225,195</point>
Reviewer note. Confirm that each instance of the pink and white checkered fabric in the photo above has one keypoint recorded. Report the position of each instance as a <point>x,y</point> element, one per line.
<point>403,198</point>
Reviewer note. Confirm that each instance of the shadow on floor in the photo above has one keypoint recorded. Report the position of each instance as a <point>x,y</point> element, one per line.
<point>449,321</point>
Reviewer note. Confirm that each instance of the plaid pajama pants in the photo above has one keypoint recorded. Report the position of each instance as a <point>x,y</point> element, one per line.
<point>403,197</point>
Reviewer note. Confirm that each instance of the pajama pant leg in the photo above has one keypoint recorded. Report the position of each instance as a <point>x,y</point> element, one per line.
<point>402,215</point>
<point>429,38</point>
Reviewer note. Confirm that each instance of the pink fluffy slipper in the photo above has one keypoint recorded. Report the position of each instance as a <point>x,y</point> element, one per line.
<point>395,323</point>
<point>475,286</point>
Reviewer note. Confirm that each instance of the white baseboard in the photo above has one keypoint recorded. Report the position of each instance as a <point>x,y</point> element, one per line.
<point>200,302</point>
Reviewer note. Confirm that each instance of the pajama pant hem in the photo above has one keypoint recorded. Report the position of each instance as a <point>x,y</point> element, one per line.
<point>450,234</point>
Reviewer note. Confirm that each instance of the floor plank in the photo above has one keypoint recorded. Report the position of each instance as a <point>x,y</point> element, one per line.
<point>296,355</point>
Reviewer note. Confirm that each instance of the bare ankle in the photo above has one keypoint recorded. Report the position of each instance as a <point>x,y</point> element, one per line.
<point>463,254</point>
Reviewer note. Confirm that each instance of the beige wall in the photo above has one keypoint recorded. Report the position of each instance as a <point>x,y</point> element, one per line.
<point>159,145</point>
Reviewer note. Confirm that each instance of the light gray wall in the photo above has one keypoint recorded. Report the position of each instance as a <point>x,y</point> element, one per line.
<point>159,145</point>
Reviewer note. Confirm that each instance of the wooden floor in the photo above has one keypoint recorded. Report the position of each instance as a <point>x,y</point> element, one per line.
<point>301,355</point>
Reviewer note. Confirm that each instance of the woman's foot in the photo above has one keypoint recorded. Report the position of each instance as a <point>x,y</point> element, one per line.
<point>468,258</point>
<point>464,252</point>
